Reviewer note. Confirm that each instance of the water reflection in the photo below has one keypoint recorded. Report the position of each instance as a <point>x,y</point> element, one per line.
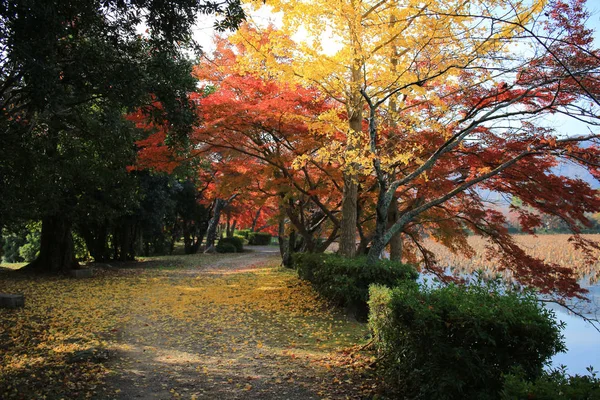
<point>581,339</point>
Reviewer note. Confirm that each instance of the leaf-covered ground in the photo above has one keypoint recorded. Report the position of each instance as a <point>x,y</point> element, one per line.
<point>204,326</point>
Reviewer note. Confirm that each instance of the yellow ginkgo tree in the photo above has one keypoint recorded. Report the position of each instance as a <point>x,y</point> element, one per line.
<point>441,102</point>
<point>387,51</point>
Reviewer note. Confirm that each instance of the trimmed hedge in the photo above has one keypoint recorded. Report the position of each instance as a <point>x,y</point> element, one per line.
<point>225,248</point>
<point>259,238</point>
<point>457,342</point>
<point>243,232</point>
<point>237,243</point>
<point>346,281</point>
<point>553,385</point>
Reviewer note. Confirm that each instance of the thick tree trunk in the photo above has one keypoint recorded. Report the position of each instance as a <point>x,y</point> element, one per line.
<point>96,240</point>
<point>56,247</point>
<point>289,250</point>
<point>396,241</point>
<point>348,224</point>
<point>350,199</point>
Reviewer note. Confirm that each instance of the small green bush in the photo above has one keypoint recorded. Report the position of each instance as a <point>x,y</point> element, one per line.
<point>12,242</point>
<point>238,243</point>
<point>225,247</point>
<point>457,342</point>
<point>242,232</point>
<point>259,238</point>
<point>242,238</point>
<point>31,249</point>
<point>553,385</point>
<point>346,281</point>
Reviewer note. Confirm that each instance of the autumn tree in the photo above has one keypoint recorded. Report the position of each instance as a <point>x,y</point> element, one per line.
<point>450,96</point>
<point>265,124</point>
<point>379,47</point>
<point>68,73</point>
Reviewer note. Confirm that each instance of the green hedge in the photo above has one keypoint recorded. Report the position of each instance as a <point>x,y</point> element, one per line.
<point>259,238</point>
<point>457,342</point>
<point>225,247</point>
<point>242,232</point>
<point>237,243</point>
<point>346,281</point>
<point>553,385</point>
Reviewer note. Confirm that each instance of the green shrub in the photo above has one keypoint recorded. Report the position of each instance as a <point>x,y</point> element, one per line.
<point>10,248</point>
<point>238,243</point>
<point>259,238</point>
<point>553,385</point>
<point>225,247</point>
<point>346,281</point>
<point>243,233</point>
<point>31,249</point>
<point>242,238</point>
<point>457,342</point>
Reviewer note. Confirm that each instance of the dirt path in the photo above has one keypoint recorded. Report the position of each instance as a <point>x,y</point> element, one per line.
<point>230,328</point>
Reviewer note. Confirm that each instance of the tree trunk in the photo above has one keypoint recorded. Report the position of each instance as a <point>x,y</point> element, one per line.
<point>211,234</point>
<point>56,247</point>
<point>396,241</point>
<point>96,240</point>
<point>281,237</point>
<point>348,224</point>
<point>231,229</point>
<point>255,219</point>
<point>379,242</point>
<point>289,249</point>
<point>350,199</point>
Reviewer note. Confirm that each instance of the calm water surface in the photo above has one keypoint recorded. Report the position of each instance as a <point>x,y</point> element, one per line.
<point>582,340</point>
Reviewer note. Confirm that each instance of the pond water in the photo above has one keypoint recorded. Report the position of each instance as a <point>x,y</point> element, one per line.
<point>581,339</point>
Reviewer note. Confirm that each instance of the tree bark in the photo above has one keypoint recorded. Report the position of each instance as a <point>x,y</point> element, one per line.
<point>211,234</point>
<point>396,241</point>
<point>348,224</point>
<point>255,219</point>
<point>350,196</point>
<point>57,253</point>
<point>96,240</point>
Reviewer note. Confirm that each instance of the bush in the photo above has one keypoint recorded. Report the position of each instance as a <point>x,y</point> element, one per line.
<point>242,238</point>
<point>553,385</point>
<point>238,243</point>
<point>259,238</point>
<point>10,248</point>
<point>457,342</point>
<point>225,247</point>
<point>243,233</point>
<point>31,249</point>
<point>346,281</point>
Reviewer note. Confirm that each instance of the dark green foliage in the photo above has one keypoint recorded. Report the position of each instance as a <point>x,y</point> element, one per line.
<point>31,248</point>
<point>192,216</point>
<point>225,247</point>
<point>236,242</point>
<point>70,71</point>
<point>11,243</point>
<point>259,238</point>
<point>346,281</point>
<point>553,385</point>
<point>457,342</point>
